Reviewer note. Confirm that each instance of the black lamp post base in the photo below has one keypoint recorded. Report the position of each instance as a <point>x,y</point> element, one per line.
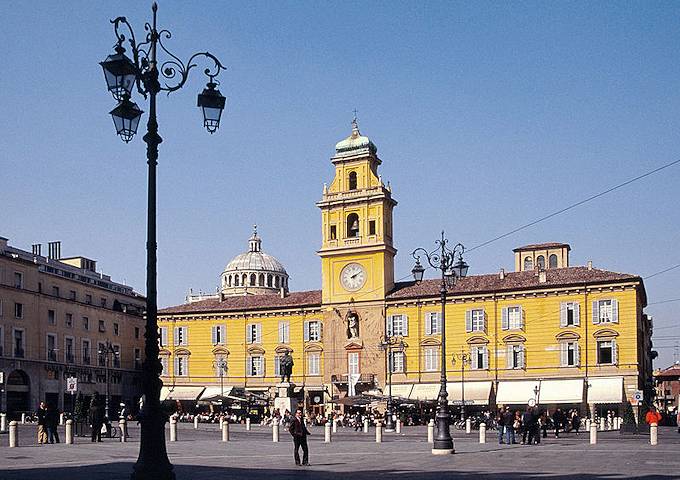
<point>443,451</point>
<point>389,422</point>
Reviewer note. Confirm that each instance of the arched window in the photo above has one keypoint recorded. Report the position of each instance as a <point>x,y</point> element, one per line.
<point>552,261</point>
<point>269,279</point>
<point>228,280</point>
<point>244,279</point>
<point>540,262</point>
<point>528,263</point>
<point>260,280</point>
<point>352,225</point>
<point>276,281</point>
<point>236,280</point>
<point>252,279</point>
<point>352,180</point>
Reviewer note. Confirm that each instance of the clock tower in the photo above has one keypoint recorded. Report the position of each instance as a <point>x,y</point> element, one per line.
<point>357,256</point>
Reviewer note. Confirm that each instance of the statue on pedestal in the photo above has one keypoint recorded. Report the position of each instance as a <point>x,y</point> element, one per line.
<point>286,367</point>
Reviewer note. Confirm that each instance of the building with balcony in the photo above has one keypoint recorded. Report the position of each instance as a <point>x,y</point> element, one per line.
<point>56,315</point>
<point>548,332</point>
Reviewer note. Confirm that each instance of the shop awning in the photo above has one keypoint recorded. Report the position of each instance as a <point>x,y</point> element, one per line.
<point>516,392</point>
<point>214,394</point>
<point>401,391</point>
<point>561,391</point>
<point>476,393</point>
<point>181,393</point>
<point>605,390</point>
<point>425,391</point>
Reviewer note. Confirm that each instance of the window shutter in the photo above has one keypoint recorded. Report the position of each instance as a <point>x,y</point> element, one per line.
<point>468,320</point>
<point>390,322</point>
<point>522,357</point>
<point>320,330</point>
<point>508,357</point>
<point>185,335</point>
<point>577,355</point>
<point>264,366</point>
<point>563,354</point>
<point>615,311</point>
<point>485,358</point>
<point>164,337</point>
<point>306,331</point>
<point>521,318</point>
<point>615,353</point>
<point>282,339</point>
<point>405,330</point>
<point>473,353</point>
<point>175,366</point>
<point>277,364</point>
<point>249,333</point>
<point>563,314</point>
<point>428,323</point>
<point>214,335</point>
<point>186,366</point>
<point>596,312</point>
<point>577,314</point>
<point>504,318</point>
<point>258,333</point>
<point>485,321</point>
<point>176,336</point>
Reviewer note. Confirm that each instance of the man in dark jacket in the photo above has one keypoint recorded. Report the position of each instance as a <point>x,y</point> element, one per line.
<point>96,417</point>
<point>508,421</point>
<point>42,423</point>
<point>558,420</point>
<point>52,421</point>
<point>299,432</point>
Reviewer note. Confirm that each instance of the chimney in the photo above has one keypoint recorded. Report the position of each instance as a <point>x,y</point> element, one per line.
<point>590,264</point>
<point>37,249</point>
<point>54,250</point>
<point>502,274</point>
<point>542,276</point>
<point>282,292</point>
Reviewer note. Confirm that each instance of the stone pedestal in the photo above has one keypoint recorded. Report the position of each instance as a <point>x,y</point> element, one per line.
<point>284,400</point>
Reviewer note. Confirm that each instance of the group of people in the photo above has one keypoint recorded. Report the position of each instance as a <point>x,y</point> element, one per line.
<point>533,424</point>
<point>48,420</point>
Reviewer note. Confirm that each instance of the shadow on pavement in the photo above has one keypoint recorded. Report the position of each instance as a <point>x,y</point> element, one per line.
<point>122,470</point>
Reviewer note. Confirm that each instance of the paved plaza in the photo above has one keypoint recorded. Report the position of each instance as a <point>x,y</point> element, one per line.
<point>252,455</point>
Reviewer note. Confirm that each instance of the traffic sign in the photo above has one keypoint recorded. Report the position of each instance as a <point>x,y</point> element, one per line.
<point>72,385</point>
<point>637,398</point>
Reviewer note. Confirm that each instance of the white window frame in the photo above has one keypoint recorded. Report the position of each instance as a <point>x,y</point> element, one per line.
<point>432,359</point>
<point>397,361</point>
<point>219,334</point>
<point>164,359</point>
<point>73,348</point>
<point>565,308</point>
<point>517,320</point>
<point>284,332</point>
<point>181,336</point>
<point>163,336</point>
<point>565,348</point>
<point>312,331</point>
<point>253,361</point>
<point>614,351</point>
<point>254,333</point>
<point>606,310</point>
<point>475,320</point>
<point>21,280</point>
<point>477,353</point>
<point>433,323</point>
<point>181,365</point>
<point>55,348</point>
<point>515,356</point>
<point>353,363</point>
<point>277,365</point>
<point>20,314</point>
<point>397,325</point>
<point>314,363</point>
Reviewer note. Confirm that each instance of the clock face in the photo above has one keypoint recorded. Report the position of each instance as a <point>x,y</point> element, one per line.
<point>353,277</point>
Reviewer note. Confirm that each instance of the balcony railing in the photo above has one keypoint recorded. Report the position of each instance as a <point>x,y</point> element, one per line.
<point>363,378</point>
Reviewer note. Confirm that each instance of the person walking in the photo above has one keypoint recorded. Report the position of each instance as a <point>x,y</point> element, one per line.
<point>42,423</point>
<point>51,422</point>
<point>558,420</point>
<point>575,421</point>
<point>527,424</point>
<point>96,417</point>
<point>508,422</point>
<point>499,425</point>
<point>299,432</point>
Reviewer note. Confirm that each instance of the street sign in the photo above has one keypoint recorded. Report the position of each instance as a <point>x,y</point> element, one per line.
<point>637,398</point>
<point>71,385</point>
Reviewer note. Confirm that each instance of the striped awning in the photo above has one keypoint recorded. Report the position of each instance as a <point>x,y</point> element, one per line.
<point>425,391</point>
<point>181,393</point>
<point>476,393</point>
<point>400,390</point>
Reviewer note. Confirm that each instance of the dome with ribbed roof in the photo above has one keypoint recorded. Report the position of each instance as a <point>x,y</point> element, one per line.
<point>254,272</point>
<point>355,141</point>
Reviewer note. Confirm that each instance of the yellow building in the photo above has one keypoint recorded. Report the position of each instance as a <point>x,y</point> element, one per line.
<point>551,332</point>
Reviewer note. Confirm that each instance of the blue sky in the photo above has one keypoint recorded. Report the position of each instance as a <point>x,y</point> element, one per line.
<point>486,116</point>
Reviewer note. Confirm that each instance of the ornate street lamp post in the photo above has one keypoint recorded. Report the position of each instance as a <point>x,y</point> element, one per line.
<point>464,359</point>
<point>122,75</point>
<point>443,259</point>
<point>107,352</point>
<point>386,345</point>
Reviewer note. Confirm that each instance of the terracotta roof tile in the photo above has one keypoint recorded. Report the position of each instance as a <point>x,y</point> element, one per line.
<point>248,302</point>
<point>556,277</point>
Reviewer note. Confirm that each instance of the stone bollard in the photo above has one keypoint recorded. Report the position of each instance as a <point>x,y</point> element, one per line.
<point>619,421</point>
<point>13,434</point>
<point>482,433</point>
<point>398,426</point>
<point>335,426</point>
<point>588,424</point>
<point>69,432</point>
<point>248,424</point>
<point>378,432</point>
<point>653,434</point>
<point>3,422</point>
<point>122,426</point>
<point>603,423</point>
<point>430,432</point>
<point>23,418</point>
<point>327,432</point>
<point>468,426</point>
<point>366,425</point>
<point>593,433</point>
<point>275,431</point>
<point>173,429</point>
<point>225,431</point>
<point>196,422</point>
